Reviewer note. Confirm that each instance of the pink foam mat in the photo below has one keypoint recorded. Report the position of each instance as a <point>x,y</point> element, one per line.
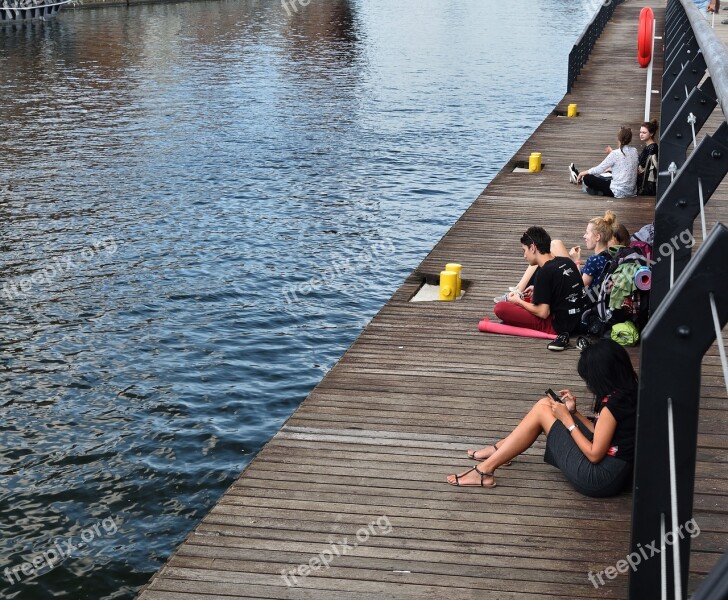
<point>487,326</point>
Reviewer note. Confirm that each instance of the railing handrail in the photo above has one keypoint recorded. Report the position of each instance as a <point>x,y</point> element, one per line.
<point>691,47</point>
<point>714,52</point>
<point>34,6</point>
<point>688,305</point>
<point>591,22</point>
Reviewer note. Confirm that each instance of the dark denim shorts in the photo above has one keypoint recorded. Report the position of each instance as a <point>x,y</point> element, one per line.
<point>606,478</point>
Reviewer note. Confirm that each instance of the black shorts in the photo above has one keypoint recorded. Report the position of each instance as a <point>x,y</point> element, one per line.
<point>606,478</point>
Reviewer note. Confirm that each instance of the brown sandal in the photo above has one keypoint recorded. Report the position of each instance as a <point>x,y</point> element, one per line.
<point>479,472</point>
<point>472,456</point>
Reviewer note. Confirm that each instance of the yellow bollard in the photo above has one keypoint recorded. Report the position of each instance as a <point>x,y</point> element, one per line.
<point>534,162</point>
<point>455,267</point>
<point>448,285</point>
<point>571,110</point>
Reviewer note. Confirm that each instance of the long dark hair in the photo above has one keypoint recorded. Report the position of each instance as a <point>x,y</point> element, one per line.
<point>606,369</point>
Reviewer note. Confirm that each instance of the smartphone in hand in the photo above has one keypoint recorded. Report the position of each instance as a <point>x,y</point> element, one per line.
<point>553,395</point>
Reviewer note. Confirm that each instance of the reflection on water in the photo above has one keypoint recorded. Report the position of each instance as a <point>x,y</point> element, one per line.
<point>227,152</point>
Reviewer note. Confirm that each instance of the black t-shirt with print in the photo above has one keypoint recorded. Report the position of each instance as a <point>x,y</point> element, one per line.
<point>558,283</point>
<point>624,410</point>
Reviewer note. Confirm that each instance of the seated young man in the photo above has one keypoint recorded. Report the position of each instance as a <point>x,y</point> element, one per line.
<point>556,300</point>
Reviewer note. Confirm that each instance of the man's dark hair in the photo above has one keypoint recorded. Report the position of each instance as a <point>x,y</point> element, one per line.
<point>539,237</point>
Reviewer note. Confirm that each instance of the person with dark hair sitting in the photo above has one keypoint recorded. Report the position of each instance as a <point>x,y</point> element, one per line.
<point>596,458</point>
<point>621,236</point>
<point>556,303</point>
<point>647,169</point>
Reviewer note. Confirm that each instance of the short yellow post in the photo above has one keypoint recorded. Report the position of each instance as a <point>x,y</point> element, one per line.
<point>534,162</point>
<point>571,110</point>
<point>457,269</point>
<point>448,285</point>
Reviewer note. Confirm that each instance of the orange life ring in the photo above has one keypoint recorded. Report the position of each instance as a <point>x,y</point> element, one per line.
<point>644,37</point>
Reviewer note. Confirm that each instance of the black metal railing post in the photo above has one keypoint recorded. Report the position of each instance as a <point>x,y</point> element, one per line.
<point>673,344</point>
<point>677,134</point>
<point>685,109</point>
<point>680,205</point>
<point>689,308</point>
<point>675,96</point>
<point>583,47</point>
<point>715,586</point>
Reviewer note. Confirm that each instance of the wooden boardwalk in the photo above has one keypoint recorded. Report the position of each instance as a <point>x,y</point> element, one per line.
<point>372,444</point>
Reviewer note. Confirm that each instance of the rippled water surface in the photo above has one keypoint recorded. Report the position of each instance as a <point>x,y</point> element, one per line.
<point>171,178</point>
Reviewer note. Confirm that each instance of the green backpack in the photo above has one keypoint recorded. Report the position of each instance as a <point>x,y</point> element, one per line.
<point>625,334</point>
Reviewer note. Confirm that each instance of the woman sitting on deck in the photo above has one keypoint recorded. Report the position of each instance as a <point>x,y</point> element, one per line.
<point>621,236</point>
<point>595,458</point>
<point>647,162</point>
<point>622,162</point>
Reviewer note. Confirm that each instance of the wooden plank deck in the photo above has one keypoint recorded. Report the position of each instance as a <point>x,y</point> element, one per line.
<point>379,434</point>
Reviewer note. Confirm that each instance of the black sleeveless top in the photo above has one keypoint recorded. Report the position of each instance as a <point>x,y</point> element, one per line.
<point>624,409</point>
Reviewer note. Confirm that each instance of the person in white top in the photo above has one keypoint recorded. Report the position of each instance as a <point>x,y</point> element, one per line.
<point>622,162</point>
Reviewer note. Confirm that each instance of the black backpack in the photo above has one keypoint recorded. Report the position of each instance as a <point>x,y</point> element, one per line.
<point>635,306</point>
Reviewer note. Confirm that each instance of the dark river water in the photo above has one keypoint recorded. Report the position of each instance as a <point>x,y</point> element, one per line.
<point>201,206</point>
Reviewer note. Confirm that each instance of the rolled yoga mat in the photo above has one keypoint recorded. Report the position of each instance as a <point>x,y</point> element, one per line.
<point>487,326</point>
<point>643,278</point>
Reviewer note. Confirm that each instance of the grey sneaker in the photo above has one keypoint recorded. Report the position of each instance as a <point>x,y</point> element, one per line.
<point>504,297</point>
<point>573,173</point>
<point>560,344</point>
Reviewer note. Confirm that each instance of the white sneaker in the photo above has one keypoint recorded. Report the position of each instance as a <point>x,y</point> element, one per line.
<point>573,173</point>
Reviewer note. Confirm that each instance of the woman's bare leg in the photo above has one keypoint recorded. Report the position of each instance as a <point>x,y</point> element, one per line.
<point>527,276</point>
<point>538,420</point>
<point>485,451</point>
<point>558,248</point>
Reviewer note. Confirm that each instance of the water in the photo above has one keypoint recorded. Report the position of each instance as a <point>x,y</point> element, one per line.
<point>171,178</point>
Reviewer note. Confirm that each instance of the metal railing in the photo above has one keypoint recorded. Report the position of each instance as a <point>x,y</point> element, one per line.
<point>688,99</point>
<point>582,49</point>
<point>689,308</point>
<point>22,10</point>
